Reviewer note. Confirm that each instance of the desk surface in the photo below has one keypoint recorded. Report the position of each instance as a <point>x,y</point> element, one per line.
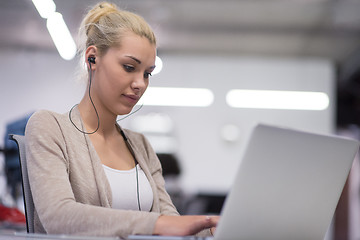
<point>10,235</point>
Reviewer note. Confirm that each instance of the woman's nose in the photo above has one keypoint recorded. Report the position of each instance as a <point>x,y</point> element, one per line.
<point>139,82</point>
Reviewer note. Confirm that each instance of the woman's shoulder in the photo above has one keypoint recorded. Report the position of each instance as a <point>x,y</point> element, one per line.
<point>44,119</point>
<point>45,114</point>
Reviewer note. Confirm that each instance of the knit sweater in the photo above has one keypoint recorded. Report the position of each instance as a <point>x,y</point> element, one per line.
<point>70,190</point>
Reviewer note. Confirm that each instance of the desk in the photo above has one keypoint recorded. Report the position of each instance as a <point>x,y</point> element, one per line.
<point>10,235</point>
<point>26,236</point>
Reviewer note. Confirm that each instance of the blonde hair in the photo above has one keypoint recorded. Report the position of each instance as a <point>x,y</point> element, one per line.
<point>105,25</point>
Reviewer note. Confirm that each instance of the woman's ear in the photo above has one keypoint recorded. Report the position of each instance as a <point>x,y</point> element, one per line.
<point>90,57</point>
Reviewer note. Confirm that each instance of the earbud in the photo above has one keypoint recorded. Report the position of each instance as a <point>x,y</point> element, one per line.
<point>91,60</point>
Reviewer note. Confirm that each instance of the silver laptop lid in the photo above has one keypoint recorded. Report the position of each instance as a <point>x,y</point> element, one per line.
<point>287,185</point>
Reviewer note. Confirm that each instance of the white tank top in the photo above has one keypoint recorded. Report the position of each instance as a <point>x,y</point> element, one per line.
<point>123,185</point>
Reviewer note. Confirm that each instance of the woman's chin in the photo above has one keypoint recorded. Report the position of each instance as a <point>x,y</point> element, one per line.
<point>125,111</point>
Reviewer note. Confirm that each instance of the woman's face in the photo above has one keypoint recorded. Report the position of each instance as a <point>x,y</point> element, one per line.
<point>121,75</point>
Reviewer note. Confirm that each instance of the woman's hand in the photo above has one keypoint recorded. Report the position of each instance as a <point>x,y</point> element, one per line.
<point>184,225</point>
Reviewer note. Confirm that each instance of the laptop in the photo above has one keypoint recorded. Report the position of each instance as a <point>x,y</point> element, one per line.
<point>287,186</point>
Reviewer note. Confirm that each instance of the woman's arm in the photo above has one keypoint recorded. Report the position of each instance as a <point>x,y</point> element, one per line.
<point>166,205</point>
<point>170,223</point>
<point>184,225</point>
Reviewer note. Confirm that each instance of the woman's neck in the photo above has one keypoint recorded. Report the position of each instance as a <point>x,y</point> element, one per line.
<point>92,119</point>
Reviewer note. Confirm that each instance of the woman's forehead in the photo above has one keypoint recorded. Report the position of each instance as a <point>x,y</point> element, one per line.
<point>136,46</point>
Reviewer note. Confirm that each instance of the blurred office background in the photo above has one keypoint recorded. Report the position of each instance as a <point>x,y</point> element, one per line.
<point>211,47</point>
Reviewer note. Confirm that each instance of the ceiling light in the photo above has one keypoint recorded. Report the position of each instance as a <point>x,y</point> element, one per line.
<point>183,97</point>
<point>45,7</point>
<point>159,66</point>
<point>61,36</point>
<point>269,99</point>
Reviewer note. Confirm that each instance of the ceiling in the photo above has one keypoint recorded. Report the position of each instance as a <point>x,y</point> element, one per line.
<point>320,28</point>
<point>327,29</point>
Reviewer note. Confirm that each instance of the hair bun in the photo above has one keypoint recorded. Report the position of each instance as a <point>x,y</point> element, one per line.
<point>97,12</point>
<point>107,7</point>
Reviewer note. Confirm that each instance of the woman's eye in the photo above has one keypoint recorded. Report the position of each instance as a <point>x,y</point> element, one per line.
<point>147,75</point>
<point>129,68</point>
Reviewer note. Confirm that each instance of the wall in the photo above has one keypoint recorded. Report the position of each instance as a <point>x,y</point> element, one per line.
<point>34,80</point>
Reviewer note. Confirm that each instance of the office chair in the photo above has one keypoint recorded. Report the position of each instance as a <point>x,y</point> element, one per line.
<point>28,200</point>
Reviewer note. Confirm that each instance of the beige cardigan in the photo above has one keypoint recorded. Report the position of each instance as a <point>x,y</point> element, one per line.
<point>70,190</point>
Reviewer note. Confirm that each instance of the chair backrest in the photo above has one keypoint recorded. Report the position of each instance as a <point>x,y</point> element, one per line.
<point>28,200</point>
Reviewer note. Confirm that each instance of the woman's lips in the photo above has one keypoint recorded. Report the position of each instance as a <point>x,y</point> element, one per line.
<point>132,98</point>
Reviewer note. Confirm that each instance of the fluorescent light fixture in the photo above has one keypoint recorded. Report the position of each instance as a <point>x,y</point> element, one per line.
<point>182,97</point>
<point>45,7</point>
<point>159,66</point>
<point>269,99</point>
<point>61,36</point>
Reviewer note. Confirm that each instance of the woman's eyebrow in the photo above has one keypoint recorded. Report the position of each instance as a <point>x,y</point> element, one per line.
<point>134,58</point>
<point>138,61</point>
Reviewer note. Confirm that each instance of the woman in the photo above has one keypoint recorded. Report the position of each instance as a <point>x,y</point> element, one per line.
<point>89,176</point>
